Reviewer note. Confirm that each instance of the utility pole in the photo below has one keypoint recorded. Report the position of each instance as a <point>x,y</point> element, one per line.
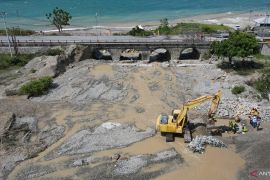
<point>96,16</point>
<point>249,20</point>
<point>4,15</point>
<point>14,41</point>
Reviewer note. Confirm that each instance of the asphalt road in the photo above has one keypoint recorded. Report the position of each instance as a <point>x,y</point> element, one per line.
<point>110,39</point>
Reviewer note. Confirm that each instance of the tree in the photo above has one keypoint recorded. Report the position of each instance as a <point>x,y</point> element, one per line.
<point>163,27</point>
<point>239,44</point>
<point>59,18</point>
<point>164,22</point>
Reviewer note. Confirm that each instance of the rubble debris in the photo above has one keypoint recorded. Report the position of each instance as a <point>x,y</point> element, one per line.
<point>131,54</point>
<point>199,142</point>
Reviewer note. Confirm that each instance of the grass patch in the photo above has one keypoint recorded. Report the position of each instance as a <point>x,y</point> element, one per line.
<point>16,61</point>
<point>238,90</point>
<point>180,28</point>
<point>262,57</point>
<point>17,32</point>
<point>37,87</point>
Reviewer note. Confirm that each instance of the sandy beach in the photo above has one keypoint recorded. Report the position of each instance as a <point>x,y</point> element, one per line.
<point>231,19</point>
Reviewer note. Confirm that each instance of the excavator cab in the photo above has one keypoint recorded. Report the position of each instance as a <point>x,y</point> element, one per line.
<point>164,119</point>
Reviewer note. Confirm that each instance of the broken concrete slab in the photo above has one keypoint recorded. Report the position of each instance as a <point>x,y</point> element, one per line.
<point>134,167</point>
<point>104,137</point>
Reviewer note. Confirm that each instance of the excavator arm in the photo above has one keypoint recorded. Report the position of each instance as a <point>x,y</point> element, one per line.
<point>193,103</point>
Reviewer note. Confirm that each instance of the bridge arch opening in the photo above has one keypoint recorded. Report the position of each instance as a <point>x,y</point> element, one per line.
<point>101,54</point>
<point>160,55</point>
<point>190,53</point>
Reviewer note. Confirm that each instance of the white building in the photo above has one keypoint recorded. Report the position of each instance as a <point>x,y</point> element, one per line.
<point>263,21</point>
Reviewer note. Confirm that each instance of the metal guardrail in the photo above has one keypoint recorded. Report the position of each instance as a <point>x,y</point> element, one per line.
<point>33,43</point>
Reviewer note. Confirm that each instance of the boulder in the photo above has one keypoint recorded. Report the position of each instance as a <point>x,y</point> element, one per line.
<point>6,121</point>
<point>43,66</point>
<point>160,55</point>
<point>131,54</point>
<point>11,92</point>
<point>102,54</point>
<point>82,53</point>
<point>189,53</point>
<point>70,51</point>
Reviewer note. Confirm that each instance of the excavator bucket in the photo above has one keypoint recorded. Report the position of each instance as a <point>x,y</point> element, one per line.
<point>187,135</point>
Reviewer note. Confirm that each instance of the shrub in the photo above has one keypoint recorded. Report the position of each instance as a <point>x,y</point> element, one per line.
<point>54,52</point>
<point>238,89</point>
<point>263,84</point>
<point>17,32</point>
<point>37,87</point>
<point>139,32</point>
<point>19,60</point>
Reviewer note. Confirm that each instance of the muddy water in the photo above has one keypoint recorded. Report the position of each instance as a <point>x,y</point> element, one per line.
<point>222,164</point>
<point>214,164</point>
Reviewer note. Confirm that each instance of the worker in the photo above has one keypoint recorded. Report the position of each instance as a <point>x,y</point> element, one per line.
<point>244,129</point>
<point>254,112</point>
<point>237,119</point>
<point>255,119</point>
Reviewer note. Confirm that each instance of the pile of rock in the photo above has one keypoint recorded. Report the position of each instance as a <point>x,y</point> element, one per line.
<point>198,143</point>
<point>131,54</point>
<point>229,108</point>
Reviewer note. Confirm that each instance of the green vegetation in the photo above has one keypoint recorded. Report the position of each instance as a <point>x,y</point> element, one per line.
<point>16,61</point>
<point>238,89</point>
<point>181,28</point>
<point>54,52</point>
<point>262,84</point>
<point>139,32</point>
<point>59,18</point>
<point>262,57</point>
<point>239,44</point>
<point>17,32</point>
<point>37,87</point>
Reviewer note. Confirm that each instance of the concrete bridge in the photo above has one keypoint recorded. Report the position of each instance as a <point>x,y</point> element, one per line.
<point>115,46</point>
<point>175,49</point>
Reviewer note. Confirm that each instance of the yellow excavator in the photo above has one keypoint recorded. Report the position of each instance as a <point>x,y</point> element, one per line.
<point>177,123</point>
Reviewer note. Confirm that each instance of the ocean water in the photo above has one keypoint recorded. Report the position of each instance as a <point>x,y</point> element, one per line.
<point>31,13</point>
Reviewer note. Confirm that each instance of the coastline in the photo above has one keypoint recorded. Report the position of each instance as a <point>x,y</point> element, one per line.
<point>231,19</point>
<point>80,27</point>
